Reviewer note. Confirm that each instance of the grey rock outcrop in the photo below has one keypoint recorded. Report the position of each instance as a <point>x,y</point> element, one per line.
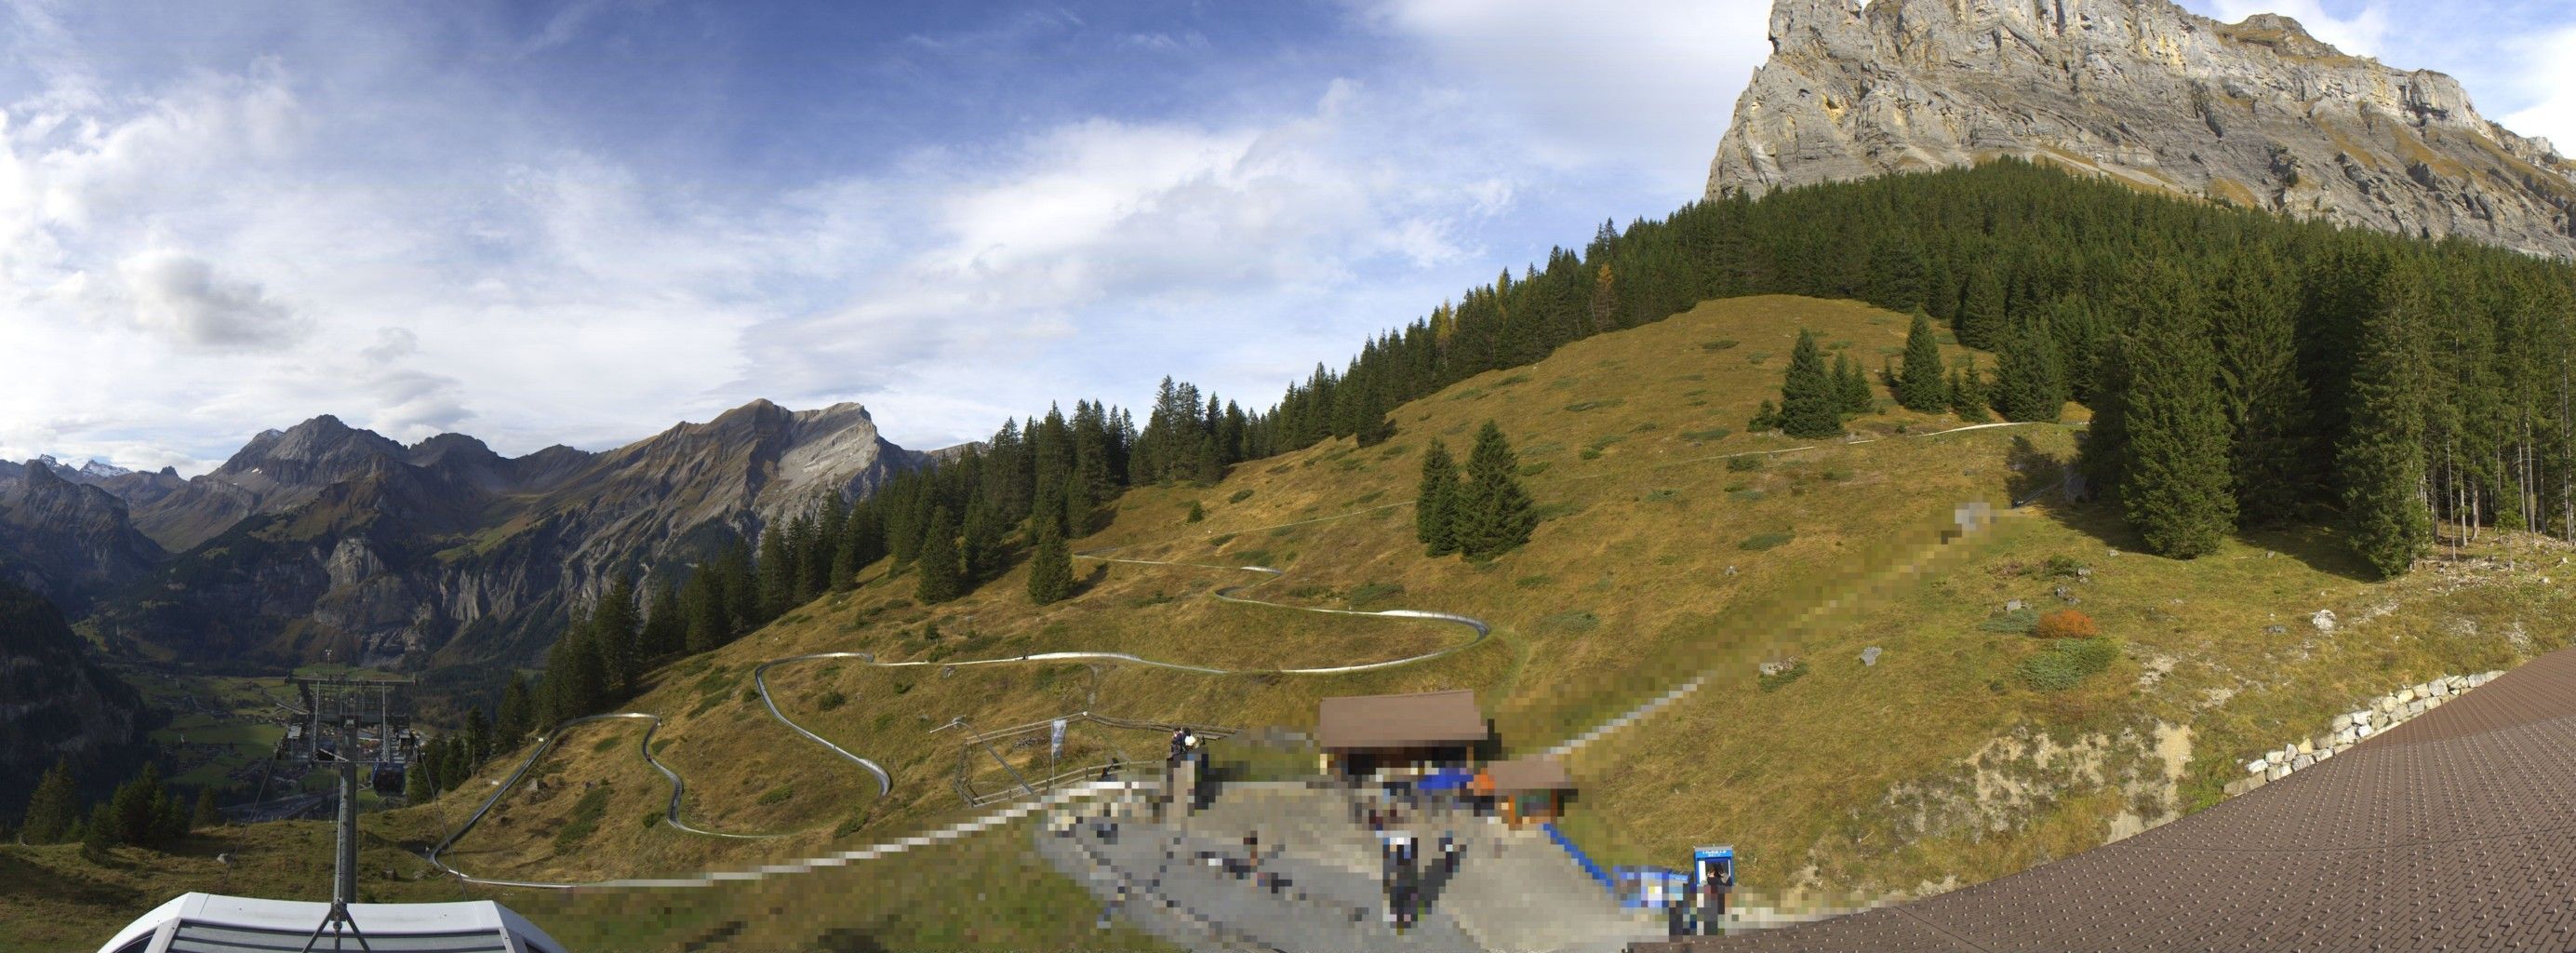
<point>67,541</point>
<point>2256,114</point>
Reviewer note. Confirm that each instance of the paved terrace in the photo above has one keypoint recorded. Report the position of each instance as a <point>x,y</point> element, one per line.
<point>2454,831</point>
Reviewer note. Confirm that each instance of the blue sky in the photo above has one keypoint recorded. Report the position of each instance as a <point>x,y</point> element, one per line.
<point>578,222</point>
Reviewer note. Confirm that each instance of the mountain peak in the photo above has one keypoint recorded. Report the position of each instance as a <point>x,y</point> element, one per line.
<point>2258,114</point>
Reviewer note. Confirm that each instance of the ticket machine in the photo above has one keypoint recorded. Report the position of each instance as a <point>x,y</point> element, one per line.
<point>1712,877</point>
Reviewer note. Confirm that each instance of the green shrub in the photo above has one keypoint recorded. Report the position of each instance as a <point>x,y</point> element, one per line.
<point>1220,541</point>
<point>1579,620</point>
<point>1590,453</point>
<point>604,744</point>
<point>1468,394</point>
<point>1557,510</point>
<point>1746,496</point>
<point>1372,497</point>
<point>1581,406</point>
<point>1707,436</point>
<point>651,818</point>
<point>1794,672</point>
<point>1514,379</point>
<point>1532,582</point>
<point>2016,622</point>
<point>1717,345</point>
<point>1374,592</point>
<point>1765,541</point>
<point>850,825</point>
<point>1239,496</point>
<point>2064,663</point>
<point>1662,496</point>
<point>1197,513</point>
<point>585,819</point>
<point>1534,469</point>
<point>831,700</point>
<point>1744,464</point>
<point>777,794</point>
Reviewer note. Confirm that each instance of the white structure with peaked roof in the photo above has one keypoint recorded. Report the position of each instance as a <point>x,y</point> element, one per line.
<point>210,923</point>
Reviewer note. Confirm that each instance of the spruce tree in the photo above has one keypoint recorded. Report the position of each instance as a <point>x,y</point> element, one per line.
<point>2029,386</point>
<point>1050,566</point>
<point>2175,491</point>
<point>100,832</point>
<point>1765,419</point>
<point>1852,395</point>
<point>943,574</point>
<point>1968,393</point>
<point>2381,456</point>
<point>666,631</point>
<point>417,788</point>
<point>1981,311</point>
<point>980,551</point>
<point>478,735</point>
<point>518,713</point>
<point>1808,398</point>
<point>614,629</point>
<point>1435,504</point>
<point>207,814</point>
<point>1493,514</point>
<point>1920,386</point>
<point>54,808</point>
<point>2255,320</point>
<point>1898,272</point>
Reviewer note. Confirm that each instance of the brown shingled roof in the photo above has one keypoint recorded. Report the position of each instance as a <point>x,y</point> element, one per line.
<point>1419,720</point>
<point>1529,774</point>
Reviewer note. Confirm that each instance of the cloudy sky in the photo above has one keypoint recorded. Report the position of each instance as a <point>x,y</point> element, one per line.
<point>578,222</point>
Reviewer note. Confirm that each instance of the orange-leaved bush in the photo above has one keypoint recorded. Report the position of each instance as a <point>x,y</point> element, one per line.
<point>2066,624</point>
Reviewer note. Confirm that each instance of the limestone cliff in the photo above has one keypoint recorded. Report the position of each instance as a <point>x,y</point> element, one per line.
<point>2257,114</point>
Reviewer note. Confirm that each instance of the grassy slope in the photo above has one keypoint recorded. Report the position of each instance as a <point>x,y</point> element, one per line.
<point>1934,766</point>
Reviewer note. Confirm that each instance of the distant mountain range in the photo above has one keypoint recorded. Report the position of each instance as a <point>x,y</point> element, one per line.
<point>323,537</point>
<point>2257,114</point>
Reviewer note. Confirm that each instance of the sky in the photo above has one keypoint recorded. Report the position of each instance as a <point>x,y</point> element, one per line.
<point>582,221</point>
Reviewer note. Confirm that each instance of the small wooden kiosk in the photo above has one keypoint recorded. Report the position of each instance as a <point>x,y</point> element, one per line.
<point>1526,790</point>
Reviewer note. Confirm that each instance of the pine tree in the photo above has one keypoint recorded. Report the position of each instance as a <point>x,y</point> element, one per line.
<point>54,808</point>
<point>2029,385</point>
<point>417,788</point>
<point>1493,515</point>
<point>2381,456</point>
<point>1898,272</point>
<point>137,808</point>
<point>2256,324</point>
<point>2175,492</point>
<point>100,832</point>
<point>518,712</point>
<point>777,573</point>
<point>1852,395</point>
<point>478,736</point>
<point>1602,312</point>
<point>1050,566</point>
<point>614,628</point>
<point>1981,311</point>
<point>207,814</point>
<point>1765,419</point>
<point>943,574</point>
<point>1808,397</point>
<point>1435,506</point>
<point>666,631</point>
<point>1920,386</point>
<point>1968,393</point>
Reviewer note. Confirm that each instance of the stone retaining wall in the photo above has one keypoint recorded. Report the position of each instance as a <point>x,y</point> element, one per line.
<point>2353,727</point>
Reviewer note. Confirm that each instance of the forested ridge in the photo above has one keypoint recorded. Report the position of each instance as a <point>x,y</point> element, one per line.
<point>2243,370</point>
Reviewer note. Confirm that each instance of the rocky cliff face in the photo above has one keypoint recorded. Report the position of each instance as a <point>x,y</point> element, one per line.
<point>324,537</point>
<point>55,701</point>
<point>67,541</point>
<point>2256,114</point>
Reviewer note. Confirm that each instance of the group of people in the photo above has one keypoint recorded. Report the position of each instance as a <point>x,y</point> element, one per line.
<point>1410,886</point>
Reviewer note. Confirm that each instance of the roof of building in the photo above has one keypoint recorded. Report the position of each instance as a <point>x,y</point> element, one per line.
<point>2460,823</point>
<point>213,923</point>
<point>1423,719</point>
<point>1528,774</point>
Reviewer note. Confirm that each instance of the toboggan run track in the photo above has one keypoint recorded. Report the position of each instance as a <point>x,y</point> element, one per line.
<point>885,781</point>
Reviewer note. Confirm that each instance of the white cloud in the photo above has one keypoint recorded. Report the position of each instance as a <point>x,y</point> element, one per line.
<point>180,297</point>
<point>2546,79</point>
<point>1644,86</point>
